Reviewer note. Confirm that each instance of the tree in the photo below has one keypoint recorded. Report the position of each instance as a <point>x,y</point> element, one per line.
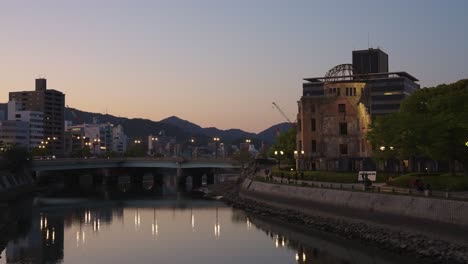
<point>15,159</point>
<point>135,150</point>
<point>36,152</point>
<point>285,142</point>
<point>243,157</point>
<point>432,123</point>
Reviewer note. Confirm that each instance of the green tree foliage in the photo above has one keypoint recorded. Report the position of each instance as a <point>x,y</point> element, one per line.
<point>242,157</point>
<point>432,123</point>
<point>36,152</point>
<point>81,152</point>
<point>135,150</point>
<point>285,142</point>
<point>15,159</point>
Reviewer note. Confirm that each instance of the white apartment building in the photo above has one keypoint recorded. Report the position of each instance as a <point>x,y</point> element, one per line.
<point>33,118</point>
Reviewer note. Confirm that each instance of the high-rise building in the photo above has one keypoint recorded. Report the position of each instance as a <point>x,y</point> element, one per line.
<point>33,118</point>
<point>335,111</point>
<point>52,104</point>
<point>370,61</point>
<point>14,134</point>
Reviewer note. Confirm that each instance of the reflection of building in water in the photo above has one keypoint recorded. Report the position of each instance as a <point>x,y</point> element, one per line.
<point>43,243</point>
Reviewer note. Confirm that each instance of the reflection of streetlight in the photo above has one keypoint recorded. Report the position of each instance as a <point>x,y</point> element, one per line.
<point>217,227</point>
<point>279,154</point>
<point>154,226</point>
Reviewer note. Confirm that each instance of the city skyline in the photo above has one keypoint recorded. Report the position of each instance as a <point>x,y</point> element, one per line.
<point>216,64</point>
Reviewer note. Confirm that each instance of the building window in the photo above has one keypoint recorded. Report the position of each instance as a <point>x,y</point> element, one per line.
<point>343,128</point>
<point>299,124</point>
<point>347,91</point>
<point>343,149</point>
<point>312,124</point>
<point>312,108</point>
<point>341,108</point>
<point>314,146</point>
<point>338,91</point>
<point>354,91</point>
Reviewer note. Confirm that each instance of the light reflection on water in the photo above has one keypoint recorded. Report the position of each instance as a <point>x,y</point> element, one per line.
<point>166,232</point>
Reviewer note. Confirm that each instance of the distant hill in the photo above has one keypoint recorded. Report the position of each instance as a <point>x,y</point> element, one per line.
<point>135,128</point>
<point>227,135</point>
<point>183,130</point>
<point>269,134</point>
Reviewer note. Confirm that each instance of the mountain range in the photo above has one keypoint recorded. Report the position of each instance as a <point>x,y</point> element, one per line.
<point>172,126</point>
<point>175,126</point>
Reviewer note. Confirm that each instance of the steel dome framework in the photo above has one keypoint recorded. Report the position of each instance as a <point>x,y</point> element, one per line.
<point>342,72</point>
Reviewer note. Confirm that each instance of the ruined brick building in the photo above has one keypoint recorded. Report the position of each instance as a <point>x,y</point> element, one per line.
<point>335,111</point>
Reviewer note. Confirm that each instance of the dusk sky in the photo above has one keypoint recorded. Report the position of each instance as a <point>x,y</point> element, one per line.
<point>217,63</point>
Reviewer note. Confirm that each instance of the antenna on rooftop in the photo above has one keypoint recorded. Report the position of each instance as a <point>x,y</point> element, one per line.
<point>368,40</point>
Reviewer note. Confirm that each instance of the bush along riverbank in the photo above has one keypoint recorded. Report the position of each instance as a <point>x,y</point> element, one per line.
<point>429,250</point>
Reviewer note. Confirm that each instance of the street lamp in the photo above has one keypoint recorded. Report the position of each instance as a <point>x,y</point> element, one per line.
<point>216,140</point>
<point>279,154</point>
<point>248,140</point>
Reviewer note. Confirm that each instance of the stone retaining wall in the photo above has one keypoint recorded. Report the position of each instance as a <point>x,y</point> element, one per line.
<point>439,210</point>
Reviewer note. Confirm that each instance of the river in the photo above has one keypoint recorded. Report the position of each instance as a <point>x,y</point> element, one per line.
<point>173,229</point>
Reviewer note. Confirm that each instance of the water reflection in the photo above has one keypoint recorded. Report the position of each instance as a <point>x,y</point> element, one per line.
<point>141,230</point>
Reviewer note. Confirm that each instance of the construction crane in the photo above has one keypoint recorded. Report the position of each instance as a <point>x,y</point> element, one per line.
<point>283,114</point>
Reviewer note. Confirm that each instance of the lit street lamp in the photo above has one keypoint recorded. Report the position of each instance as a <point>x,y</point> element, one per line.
<point>216,140</point>
<point>279,154</point>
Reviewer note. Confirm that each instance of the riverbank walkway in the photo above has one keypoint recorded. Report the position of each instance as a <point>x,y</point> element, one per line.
<point>376,187</point>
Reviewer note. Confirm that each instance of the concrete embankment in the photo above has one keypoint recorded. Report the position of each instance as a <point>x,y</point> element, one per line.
<point>13,186</point>
<point>424,208</point>
<point>433,242</point>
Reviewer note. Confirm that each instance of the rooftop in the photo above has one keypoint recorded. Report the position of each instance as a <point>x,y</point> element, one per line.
<point>361,77</point>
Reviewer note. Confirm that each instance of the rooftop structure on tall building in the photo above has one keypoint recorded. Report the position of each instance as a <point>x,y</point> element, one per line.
<point>52,104</point>
<point>335,111</point>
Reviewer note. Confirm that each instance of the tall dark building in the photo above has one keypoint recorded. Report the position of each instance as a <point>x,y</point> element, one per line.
<point>370,61</point>
<point>52,104</point>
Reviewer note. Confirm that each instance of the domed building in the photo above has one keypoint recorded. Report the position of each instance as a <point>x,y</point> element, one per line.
<point>335,111</point>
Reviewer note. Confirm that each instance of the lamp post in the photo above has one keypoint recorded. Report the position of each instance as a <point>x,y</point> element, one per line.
<point>192,149</point>
<point>154,141</point>
<point>216,140</point>
<point>279,154</point>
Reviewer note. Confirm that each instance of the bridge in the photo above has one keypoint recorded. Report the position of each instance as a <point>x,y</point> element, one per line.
<point>107,163</point>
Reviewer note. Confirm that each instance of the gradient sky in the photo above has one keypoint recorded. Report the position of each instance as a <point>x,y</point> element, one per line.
<point>217,63</point>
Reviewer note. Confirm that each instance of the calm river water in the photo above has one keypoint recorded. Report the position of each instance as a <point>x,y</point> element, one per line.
<point>171,231</point>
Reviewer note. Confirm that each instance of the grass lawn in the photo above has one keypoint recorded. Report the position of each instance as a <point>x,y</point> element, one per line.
<point>456,182</point>
<point>328,176</point>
